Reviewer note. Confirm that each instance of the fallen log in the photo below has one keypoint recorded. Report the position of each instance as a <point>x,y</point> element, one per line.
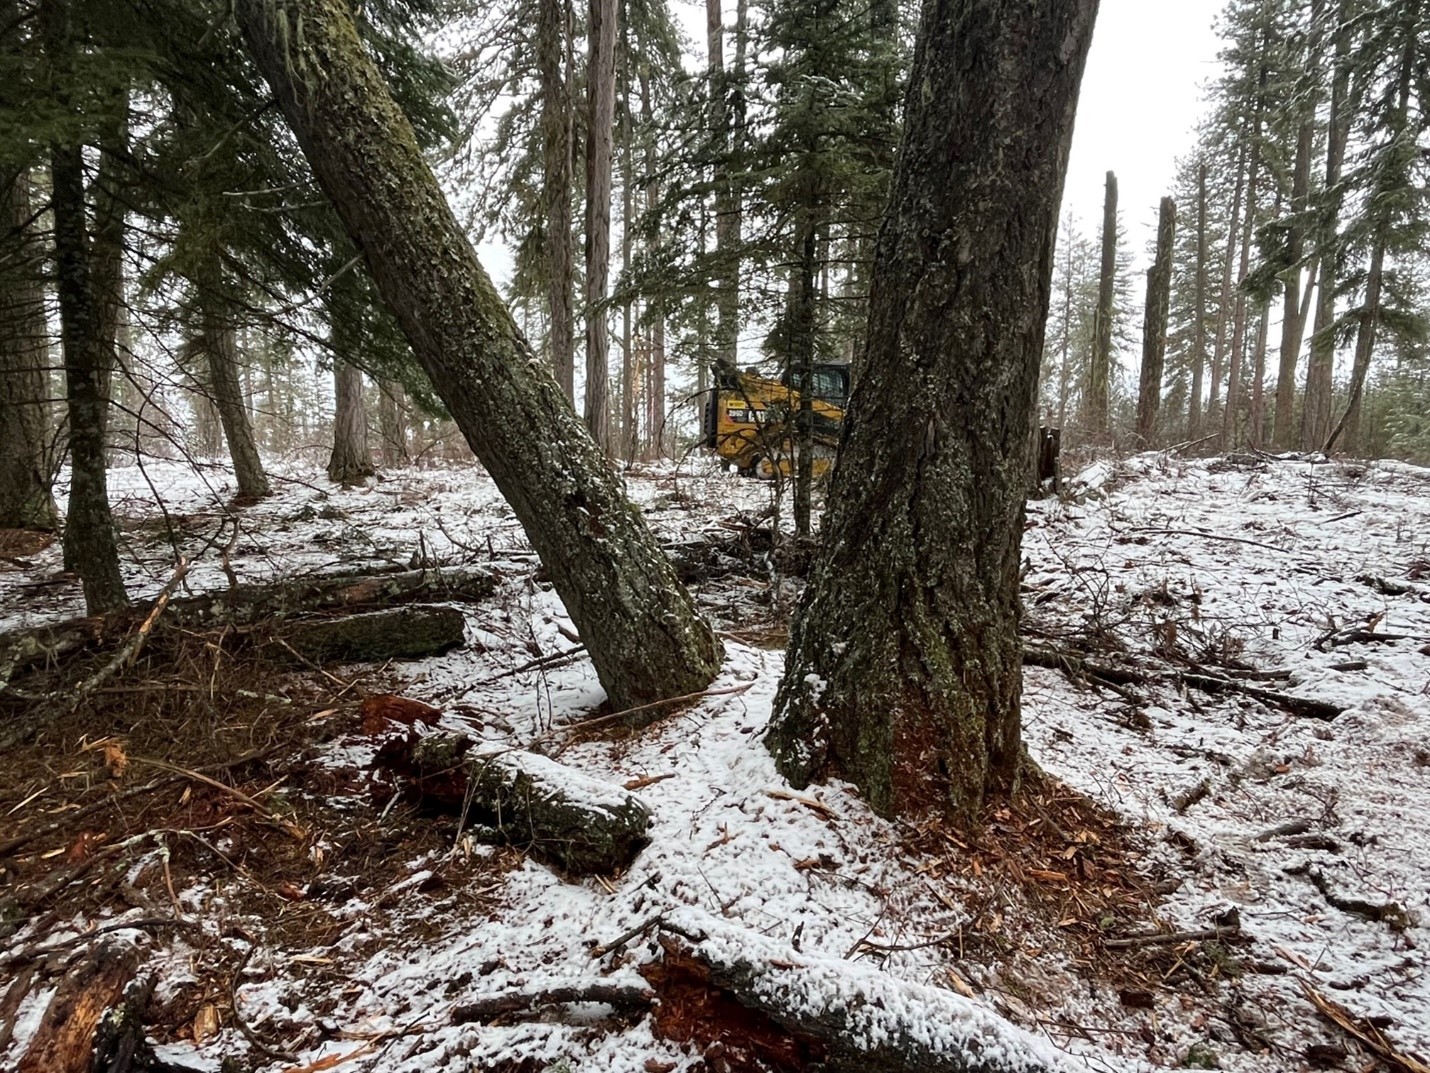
<point>1078,666</point>
<point>561,815</point>
<point>405,632</point>
<point>768,1008</point>
<point>243,605</point>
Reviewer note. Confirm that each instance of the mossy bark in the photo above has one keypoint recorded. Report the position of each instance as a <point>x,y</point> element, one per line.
<point>351,461</point>
<point>390,633</point>
<point>903,672</point>
<point>640,626</point>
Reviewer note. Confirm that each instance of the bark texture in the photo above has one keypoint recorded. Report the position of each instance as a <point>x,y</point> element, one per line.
<point>640,626</point>
<point>389,633</point>
<point>25,500</point>
<point>1154,325</point>
<point>351,460</point>
<point>392,423</point>
<point>1293,321</point>
<point>1199,330</point>
<point>600,127</point>
<point>903,673</point>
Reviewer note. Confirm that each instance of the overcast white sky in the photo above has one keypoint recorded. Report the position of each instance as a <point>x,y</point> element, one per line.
<point>1141,99</point>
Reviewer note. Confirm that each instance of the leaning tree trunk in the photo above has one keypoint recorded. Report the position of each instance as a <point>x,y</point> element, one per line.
<point>600,123</point>
<point>25,500</point>
<point>903,673</point>
<point>220,343</point>
<point>639,625</point>
<point>1100,370</point>
<point>351,461</point>
<point>90,547</point>
<point>1154,325</point>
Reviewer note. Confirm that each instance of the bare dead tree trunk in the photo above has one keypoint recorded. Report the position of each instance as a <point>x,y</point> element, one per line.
<point>1199,329</point>
<point>25,499</point>
<point>1154,325</point>
<point>600,123</point>
<point>639,624</point>
<point>904,667</point>
<point>552,31</point>
<point>1100,371</point>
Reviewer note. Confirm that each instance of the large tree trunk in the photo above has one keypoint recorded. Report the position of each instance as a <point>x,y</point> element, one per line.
<point>25,500</point>
<point>1316,408</point>
<point>600,123</point>
<point>89,543</point>
<point>1199,329</point>
<point>552,31</point>
<point>351,461</point>
<point>640,626</point>
<point>220,344</point>
<point>903,672</point>
<point>1154,325</point>
<point>1100,370</point>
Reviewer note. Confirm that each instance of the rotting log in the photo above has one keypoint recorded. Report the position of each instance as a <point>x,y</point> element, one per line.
<point>769,1009</point>
<point>408,632</point>
<point>243,605</point>
<point>561,815</point>
<point>64,1041</point>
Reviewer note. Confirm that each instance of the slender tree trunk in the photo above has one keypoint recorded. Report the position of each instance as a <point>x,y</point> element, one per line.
<point>1316,408</point>
<point>551,38</point>
<point>220,345</point>
<point>25,499</point>
<point>1100,372</point>
<point>1199,329</point>
<point>1293,320</point>
<point>1225,302</point>
<point>1234,387</point>
<point>89,541</point>
<point>351,461</point>
<point>629,387</point>
<point>1065,341</point>
<point>655,423</point>
<point>639,624</point>
<point>1154,325</point>
<point>600,125</point>
<point>802,364</point>
<point>392,423</point>
<point>727,296</point>
<point>904,667</point>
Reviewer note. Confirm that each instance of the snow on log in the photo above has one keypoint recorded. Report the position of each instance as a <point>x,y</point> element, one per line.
<point>559,814</point>
<point>769,1008</point>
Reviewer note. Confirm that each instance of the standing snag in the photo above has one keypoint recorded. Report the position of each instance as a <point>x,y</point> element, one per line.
<point>640,626</point>
<point>904,668</point>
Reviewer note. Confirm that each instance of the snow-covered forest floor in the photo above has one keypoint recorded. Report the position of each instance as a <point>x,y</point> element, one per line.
<point>322,921</point>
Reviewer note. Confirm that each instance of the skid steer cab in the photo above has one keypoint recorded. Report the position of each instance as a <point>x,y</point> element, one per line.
<point>752,422</point>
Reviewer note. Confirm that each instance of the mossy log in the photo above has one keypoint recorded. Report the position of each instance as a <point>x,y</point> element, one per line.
<point>770,1010</point>
<point>391,633</point>
<point>561,815</point>
<point>243,605</point>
